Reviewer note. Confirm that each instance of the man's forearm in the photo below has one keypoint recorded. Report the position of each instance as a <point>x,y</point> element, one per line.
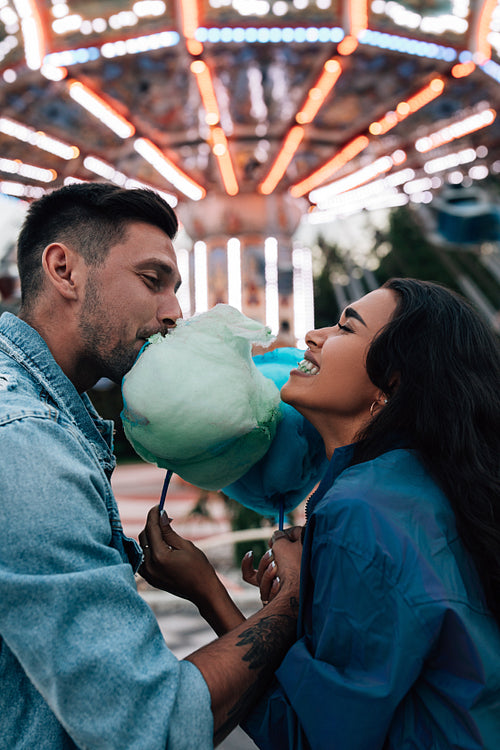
<point>238,666</point>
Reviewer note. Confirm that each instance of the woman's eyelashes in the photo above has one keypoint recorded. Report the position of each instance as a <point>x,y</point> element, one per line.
<point>344,328</point>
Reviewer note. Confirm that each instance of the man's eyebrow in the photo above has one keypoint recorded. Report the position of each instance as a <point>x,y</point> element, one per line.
<point>350,312</point>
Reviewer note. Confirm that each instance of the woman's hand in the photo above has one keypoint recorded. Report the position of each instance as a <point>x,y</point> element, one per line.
<point>176,565</point>
<point>278,560</point>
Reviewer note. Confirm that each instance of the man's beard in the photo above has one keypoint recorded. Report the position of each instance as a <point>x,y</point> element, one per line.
<point>97,330</point>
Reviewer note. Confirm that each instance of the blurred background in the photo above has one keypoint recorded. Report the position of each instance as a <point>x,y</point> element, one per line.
<point>311,148</point>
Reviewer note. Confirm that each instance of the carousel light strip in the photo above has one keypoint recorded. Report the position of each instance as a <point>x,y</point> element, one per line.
<point>220,150</point>
<point>200,277</point>
<point>303,294</point>
<point>283,159</point>
<point>32,30</point>
<point>234,273</point>
<point>271,276</point>
<point>15,166</point>
<point>272,35</point>
<point>350,150</point>
<point>457,130</point>
<point>103,169</point>
<point>18,190</point>
<point>483,47</point>
<point>179,179</point>
<point>206,88</point>
<point>361,176</point>
<point>407,46</point>
<point>38,139</point>
<point>442,163</point>
<point>358,17</point>
<point>183,293</point>
<point>109,50</point>
<point>318,93</point>
<point>100,109</point>
<point>190,23</point>
<point>434,89</point>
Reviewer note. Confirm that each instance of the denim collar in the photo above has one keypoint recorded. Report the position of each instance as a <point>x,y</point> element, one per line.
<point>25,345</point>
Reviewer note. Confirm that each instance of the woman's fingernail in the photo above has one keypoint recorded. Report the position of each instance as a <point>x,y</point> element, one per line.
<point>249,553</point>
<point>269,553</point>
<point>165,520</point>
<point>273,565</point>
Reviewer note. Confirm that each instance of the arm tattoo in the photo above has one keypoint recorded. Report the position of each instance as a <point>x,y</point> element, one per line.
<point>264,640</point>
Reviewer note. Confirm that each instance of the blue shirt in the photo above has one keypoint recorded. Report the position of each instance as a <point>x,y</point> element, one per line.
<point>396,646</point>
<point>82,660</point>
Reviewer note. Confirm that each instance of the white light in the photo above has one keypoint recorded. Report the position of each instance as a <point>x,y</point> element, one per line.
<point>234,273</point>
<point>303,294</point>
<point>19,190</point>
<point>9,75</point>
<point>101,111</point>
<point>52,73</point>
<point>183,293</point>
<point>455,178</point>
<point>478,173</point>
<point>200,278</point>
<point>14,166</point>
<point>38,139</point>
<point>166,170</point>
<point>449,161</point>
<point>417,186</point>
<point>325,194</point>
<point>271,275</point>
<point>149,8</point>
<point>67,24</point>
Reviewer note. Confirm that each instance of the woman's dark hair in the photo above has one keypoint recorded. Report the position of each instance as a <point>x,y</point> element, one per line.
<point>92,217</point>
<point>439,364</point>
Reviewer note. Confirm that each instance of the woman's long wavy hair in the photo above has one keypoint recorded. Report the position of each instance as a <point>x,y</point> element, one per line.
<point>438,363</point>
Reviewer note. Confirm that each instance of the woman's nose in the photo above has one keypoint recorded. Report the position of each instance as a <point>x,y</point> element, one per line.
<point>317,337</point>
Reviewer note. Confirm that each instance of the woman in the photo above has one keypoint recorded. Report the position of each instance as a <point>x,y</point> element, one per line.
<point>399,624</point>
<point>399,639</point>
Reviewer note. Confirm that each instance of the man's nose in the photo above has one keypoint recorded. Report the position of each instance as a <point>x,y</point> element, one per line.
<point>169,311</point>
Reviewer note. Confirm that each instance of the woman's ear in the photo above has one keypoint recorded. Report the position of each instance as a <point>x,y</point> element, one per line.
<point>61,265</point>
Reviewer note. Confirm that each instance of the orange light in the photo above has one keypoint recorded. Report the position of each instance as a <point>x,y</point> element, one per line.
<point>319,92</point>
<point>404,109</point>
<point>189,12</point>
<point>349,151</point>
<point>221,152</point>
<point>358,16</point>
<point>483,47</point>
<point>461,70</point>
<point>347,46</point>
<point>194,47</point>
<point>285,156</point>
<point>207,93</point>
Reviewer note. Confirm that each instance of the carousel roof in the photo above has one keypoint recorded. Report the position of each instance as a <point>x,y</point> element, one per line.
<point>374,103</point>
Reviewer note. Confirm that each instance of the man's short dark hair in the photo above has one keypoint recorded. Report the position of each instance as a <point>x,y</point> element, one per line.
<point>91,217</point>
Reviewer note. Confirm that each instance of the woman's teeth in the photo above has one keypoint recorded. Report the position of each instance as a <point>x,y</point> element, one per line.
<point>307,367</point>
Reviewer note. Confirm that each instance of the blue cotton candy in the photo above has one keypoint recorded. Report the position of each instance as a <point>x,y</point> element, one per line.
<point>296,458</point>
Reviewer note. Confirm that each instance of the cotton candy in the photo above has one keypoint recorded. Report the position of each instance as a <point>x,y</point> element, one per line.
<point>296,459</point>
<point>195,403</point>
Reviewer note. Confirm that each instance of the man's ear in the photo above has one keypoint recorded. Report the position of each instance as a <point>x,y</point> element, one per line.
<point>62,267</point>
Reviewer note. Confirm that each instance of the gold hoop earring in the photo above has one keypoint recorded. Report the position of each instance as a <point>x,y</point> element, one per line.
<point>374,405</point>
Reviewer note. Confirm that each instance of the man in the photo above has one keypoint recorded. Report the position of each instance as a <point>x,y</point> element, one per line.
<point>82,661</point>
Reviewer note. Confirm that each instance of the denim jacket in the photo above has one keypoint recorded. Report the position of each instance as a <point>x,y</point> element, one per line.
<point>82,659</point>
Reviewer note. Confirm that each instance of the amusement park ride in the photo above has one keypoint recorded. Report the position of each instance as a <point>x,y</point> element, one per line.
<point>251,116</point>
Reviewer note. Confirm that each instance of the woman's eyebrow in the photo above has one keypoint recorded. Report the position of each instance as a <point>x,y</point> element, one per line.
<point>350,312</point>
